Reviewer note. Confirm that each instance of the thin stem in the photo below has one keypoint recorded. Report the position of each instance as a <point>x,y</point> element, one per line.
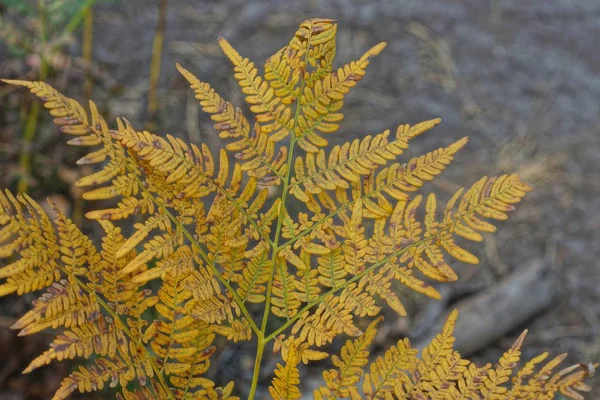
<point>34,111</point>
<point>87,48</point>
<point>260,348</point>
<point>78,17</point>
<point>276,248</point>
<point>157,47</point>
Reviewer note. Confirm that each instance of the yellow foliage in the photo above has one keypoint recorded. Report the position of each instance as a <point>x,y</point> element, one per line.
<point>316,239</point>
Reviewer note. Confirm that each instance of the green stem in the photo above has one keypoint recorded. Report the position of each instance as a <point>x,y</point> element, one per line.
<point>76,19</point>
<point>260,348</point>
<point>34,111</point>
<point>87,47</point>
<point>157,47</point>
<point>276,247</point>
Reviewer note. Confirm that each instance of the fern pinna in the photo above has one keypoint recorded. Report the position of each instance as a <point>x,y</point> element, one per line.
<point>226,259</point>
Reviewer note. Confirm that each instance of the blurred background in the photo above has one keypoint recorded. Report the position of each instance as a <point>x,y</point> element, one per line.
<point>521,79</point>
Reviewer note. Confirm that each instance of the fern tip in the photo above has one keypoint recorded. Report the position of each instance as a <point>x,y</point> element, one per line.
<point>17,82</point>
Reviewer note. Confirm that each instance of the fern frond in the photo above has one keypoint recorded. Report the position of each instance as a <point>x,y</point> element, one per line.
<point>86,338</point>
<point>435,357</point>
<point>380,284</point>
<point>355,243</point>
<point>359,302</point>
<point>353,357</point>
<point>284,299</point>
<point>161,246</point>
<point>283,74</point>
<point>30,232</point>
<point>95,377</point>
<point>238,330</point>
<point>320,100</point>
<point>252,281</point>
<point>329,320</point>
<point>73,119</point>
<point>284,385</point>
<point>332,269</point>
<point>352,160</point>
<point>503,370</point>
<point>274,117</point>
<point>176,336</point>
<point>250,147</point>
<point>62,305</point>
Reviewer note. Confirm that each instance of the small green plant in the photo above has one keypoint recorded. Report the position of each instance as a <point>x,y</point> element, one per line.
<point>231,261</point>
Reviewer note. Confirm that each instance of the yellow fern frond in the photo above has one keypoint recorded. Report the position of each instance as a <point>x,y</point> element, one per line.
<point>63,305</point>
<point>252,281</point>
<point>283,74</point>
<point>213,310</point>
<point>29,231</point>
<point>161,246</point>
<point>347,163</point>
<point>238,330</point>
<point>499,375</point>
<point>251,147</point>
<point>332,271</point>
<point>284,297</point>
<point>73,120</point>
<point>355,243</point>
<point>307,286</point>
<point>319,102</point>
<point>353,357</point>
<point>380,284</point>
<point>96,376</point>
<point>98,337</point>
<point>358,301</point>
<point>284,385</point>
<point>274,117</point>
<point>329,320</point>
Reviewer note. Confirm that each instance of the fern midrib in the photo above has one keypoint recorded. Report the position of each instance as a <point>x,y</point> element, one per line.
<point>285,189</point>
<point>276,248</point>
<point>172,333</point>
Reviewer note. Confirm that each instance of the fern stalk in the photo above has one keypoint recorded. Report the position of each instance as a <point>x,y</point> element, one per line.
<point>276,248</point>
